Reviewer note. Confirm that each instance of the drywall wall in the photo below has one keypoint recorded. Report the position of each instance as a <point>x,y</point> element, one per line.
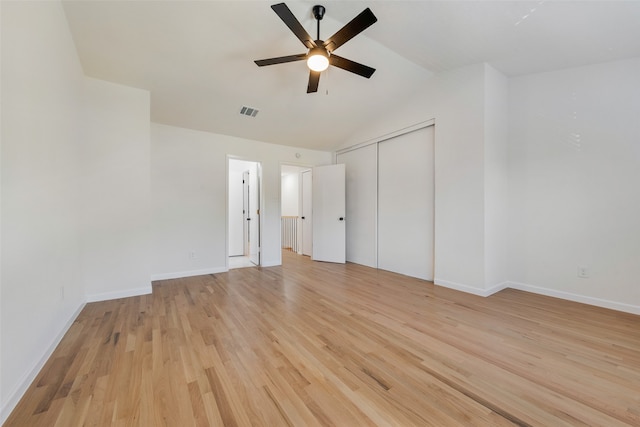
<point>574,198</point>
<point>115,191</point>
<point>290,194</point>
<point>42,85</point>
<point>189,195</point>
<point>236,215</point>
<point>2,408</point>
<point>495,178</point>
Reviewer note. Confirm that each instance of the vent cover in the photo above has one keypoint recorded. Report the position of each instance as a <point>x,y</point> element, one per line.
<point>249,111</point>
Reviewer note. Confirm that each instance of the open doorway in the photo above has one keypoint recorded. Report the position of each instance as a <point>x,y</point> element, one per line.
<point>296,219</point>
<point>244,213</point>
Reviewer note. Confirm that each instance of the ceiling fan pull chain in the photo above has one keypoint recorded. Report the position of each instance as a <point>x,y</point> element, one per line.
<point>328,75</point>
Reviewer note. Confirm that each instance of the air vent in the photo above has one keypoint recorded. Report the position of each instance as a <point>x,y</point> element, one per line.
<point>249,111</point>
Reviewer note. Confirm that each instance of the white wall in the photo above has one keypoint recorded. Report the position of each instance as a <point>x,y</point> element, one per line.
<point>574,181</point>
<point>42,85</point>
<point>188,187</point>
<point>2,400</point>
<point>495,178</point>
<point>236,215</point>
<point>459,178</point>
<point>290,194</point>
<point>115,191</point>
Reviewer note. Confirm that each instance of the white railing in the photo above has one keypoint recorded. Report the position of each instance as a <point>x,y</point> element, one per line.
<point>290,233</point>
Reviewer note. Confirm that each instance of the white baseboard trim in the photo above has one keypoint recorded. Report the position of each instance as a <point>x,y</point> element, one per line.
<point>497,288</point>
<point>16,394</point>
<point>181,274</point>
<point>119,294</point>
<point>613,305</point>
<point>469,289</point>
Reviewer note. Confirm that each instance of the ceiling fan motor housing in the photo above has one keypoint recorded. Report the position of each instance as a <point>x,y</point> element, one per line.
<point>318,11</point>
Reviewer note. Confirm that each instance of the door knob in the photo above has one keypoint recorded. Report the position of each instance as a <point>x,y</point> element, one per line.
<point>302,217</point>
<point>341,218</point>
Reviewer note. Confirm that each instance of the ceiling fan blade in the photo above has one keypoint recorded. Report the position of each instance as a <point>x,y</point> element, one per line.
<point>314,79</point>
<point>354,67</point>
<point>358,24</point>
<point>294,25</point>
<point>280,59</point>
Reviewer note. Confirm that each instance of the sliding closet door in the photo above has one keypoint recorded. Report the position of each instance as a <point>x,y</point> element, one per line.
<point>406,204</point>
<point>361,190</point>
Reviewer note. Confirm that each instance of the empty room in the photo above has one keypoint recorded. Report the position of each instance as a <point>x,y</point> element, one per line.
<point>339,213</point>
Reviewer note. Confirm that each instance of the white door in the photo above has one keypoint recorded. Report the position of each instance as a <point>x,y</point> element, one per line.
<point>406,204</point>
<point>328,200</point>
<point>254,216</point>
<point>307,215</point>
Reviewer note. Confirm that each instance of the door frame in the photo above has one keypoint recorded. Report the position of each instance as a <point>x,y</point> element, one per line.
<point>298,165</point>
<point>260,204</point>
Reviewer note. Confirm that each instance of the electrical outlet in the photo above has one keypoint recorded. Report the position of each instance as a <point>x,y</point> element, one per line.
<point>192,255</point>
<point>583,272</point>
<point>62,292</point>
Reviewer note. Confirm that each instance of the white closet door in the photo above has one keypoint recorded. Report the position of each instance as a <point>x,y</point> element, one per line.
<point>406,204</point>
<point>362,201</point>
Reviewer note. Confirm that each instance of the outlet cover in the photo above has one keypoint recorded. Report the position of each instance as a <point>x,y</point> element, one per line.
<point>583,272</point>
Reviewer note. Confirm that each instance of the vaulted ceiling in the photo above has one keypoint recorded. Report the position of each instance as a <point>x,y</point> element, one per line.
<point>196,57</point>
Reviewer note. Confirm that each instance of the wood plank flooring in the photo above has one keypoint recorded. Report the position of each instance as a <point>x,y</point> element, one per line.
<point>316,344</point>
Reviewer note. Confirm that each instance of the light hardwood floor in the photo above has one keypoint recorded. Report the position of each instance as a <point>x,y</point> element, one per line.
<point>312,344</point>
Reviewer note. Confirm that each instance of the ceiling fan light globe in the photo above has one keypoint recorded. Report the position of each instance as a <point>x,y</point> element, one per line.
<point>318,62</point>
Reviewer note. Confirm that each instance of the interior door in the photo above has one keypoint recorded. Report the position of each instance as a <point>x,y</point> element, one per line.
<point>328,200</point>
<point>254,216</point>
<point>307,214</point>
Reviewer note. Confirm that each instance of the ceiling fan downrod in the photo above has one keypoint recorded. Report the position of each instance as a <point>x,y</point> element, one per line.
<point>318,13</point>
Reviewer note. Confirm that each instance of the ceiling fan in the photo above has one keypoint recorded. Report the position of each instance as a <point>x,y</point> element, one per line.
<point>320,54</point>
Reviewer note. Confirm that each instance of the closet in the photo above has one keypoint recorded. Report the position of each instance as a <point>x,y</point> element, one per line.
<point>390,203</point>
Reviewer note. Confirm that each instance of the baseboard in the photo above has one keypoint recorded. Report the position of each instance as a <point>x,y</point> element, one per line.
<point>497,288</point>
<point>24,383</point>
<point>119,294</point>
<point>180,274</point>
<point>613,305</point>
<point>471,289</point>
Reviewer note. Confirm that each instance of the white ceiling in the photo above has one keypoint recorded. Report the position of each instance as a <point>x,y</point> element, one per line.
<point>196,57</point>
